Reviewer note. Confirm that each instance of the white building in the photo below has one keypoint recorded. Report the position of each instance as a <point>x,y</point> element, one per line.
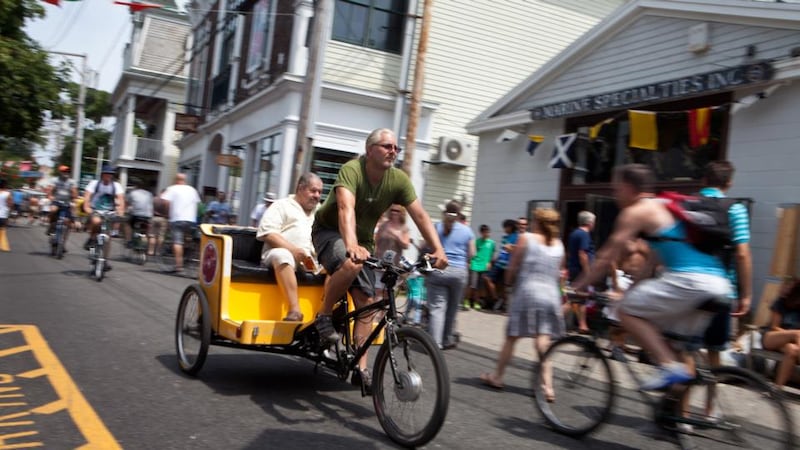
<point>150,91</point>
<point>666,56</point>
<point>249,68</point>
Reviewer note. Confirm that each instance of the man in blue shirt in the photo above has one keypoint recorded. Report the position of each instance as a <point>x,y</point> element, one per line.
<point>718,179</point>
<point>580,254</point>
<point>219,210</point>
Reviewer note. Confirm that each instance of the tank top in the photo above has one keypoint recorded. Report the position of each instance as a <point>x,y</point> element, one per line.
<point>680,256</point>
<point>62,190</point>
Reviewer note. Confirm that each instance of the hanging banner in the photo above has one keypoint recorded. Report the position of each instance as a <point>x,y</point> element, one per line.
<point>716,81</point>
<point>186,122</point>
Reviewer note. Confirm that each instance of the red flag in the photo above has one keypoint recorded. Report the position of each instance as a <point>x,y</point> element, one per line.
<point>699,126</point>
<point>135,6</point>
<point>52,2</point>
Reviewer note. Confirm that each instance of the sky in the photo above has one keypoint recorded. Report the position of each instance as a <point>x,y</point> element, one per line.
<point>98,28</point>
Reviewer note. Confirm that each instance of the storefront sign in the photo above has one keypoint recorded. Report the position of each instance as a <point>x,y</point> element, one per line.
<point>229,160</point>
<point>186,122</point>
<point>719,80</point>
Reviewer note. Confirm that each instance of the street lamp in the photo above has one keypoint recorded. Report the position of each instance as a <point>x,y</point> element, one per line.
<point>77,154</point>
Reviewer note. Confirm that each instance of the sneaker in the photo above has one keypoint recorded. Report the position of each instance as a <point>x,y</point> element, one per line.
<point>324,326</point>
<point>476,306</point>
<point>617,354</point>
<point>87,244</point>
<point>107,267</point>
<point>363,379</point>
<point>667,375</point>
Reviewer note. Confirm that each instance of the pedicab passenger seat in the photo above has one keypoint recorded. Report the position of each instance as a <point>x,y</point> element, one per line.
<point>246,260</point>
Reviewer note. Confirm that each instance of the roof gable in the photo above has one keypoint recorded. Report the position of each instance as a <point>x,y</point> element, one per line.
<point>655,32</point>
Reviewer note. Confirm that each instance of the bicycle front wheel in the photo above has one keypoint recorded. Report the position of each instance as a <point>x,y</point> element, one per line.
<point>745,412</point>
<point>411,399</point>
<point>582,383</point>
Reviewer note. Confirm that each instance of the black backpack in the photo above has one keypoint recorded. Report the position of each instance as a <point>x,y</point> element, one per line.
<point>707,222</point>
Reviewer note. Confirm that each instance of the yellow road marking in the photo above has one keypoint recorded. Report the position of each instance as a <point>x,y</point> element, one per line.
<point>14,350</point>
<point>85,418</point>
<point>35,373</point>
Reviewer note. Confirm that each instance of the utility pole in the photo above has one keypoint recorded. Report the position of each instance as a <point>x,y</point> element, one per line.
<point>77,154</point>
<point>414,108</point>
<point>312,90</point>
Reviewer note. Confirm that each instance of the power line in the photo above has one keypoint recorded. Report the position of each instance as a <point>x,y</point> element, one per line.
<point>69,27</point>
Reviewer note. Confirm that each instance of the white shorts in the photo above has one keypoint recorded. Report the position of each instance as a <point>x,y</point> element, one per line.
<point>670,302</point>
<point>278,256</point>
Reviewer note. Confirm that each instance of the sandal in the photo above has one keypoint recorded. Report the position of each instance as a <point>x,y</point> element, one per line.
<point>293,316</point>
<point>489,380</point>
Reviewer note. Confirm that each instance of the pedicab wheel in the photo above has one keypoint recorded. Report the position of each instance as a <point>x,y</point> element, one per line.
<point>192,330</point>
<point>412,409</point>
<point>140,257</point>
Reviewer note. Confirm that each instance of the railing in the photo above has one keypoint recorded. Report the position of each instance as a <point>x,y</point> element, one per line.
<point>219,88</point>
<point>149,149</point>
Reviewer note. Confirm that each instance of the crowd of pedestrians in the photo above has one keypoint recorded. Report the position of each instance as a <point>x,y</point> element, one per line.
<point>646,260</point>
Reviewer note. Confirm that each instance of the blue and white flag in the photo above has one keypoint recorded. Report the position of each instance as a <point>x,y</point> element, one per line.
<point>564,152</point>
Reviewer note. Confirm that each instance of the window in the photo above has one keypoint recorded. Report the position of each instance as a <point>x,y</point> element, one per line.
<point>374,24</point>
<point>197,80</point>
<point>226,46</point>
<point>269,168</point>
<point>675,161</point>
<point>326,163</point>
<point>258,51</point>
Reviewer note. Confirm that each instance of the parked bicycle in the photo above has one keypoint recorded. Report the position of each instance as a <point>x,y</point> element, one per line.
<point>59,236</point>
<point>97,248</point>
<point>746,412</point>
<point>165,254</point>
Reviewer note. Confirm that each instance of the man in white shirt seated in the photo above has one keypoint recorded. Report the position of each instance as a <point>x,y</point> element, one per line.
<point>285,229</point>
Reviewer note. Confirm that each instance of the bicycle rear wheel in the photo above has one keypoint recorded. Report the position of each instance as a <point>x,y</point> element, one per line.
<point>411,401</point>
<point>59,244</point>
<point>583,385</point>
<point>747,412</point>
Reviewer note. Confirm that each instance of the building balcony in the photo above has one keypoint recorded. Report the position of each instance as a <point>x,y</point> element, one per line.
<point>149,149</point>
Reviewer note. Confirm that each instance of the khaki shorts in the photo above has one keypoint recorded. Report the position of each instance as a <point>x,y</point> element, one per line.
<point>670,301</point>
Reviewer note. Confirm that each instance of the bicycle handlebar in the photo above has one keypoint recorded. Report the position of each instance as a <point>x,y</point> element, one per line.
<point>424,265</point>
<point>582,297</point>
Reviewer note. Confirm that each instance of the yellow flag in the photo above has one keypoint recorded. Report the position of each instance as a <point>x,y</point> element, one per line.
<point>643,130</point>
<point>595,130</point>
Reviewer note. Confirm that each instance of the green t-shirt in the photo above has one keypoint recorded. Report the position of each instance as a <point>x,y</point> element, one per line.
<point>371,201</point>
<point>484,250</point>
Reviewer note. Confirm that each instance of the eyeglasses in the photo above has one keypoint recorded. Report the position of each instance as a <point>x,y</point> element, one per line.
<point>390,147</point>
<point>451,214</point>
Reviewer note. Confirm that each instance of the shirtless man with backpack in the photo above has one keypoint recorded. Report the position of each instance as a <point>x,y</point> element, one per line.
<point>670,302</point>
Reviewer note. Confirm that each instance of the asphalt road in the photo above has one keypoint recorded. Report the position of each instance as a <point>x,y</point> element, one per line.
<point>115,342</point>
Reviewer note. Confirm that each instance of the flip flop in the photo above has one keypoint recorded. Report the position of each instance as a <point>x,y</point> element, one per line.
<point>294,316</point>
<point>488,380</point>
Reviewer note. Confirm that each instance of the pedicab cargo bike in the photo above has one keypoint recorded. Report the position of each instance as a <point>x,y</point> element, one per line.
<point>237,303</point>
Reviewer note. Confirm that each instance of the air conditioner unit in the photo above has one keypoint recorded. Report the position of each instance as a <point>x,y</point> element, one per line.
<point>454,152</point>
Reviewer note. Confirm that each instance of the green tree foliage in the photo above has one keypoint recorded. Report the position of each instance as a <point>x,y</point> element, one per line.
<point>93,139</point>
<point>29,85</point>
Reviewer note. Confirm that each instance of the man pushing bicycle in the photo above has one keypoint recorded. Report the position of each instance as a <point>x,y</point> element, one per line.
<point>669,302</point>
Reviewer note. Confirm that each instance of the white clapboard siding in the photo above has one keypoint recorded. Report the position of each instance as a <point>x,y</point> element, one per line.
<point>510,177</point>
<point>360,67</point>
<point>163,46</point>
<point>477,52</point>
<point>763,146</point>
<point>656,46</point>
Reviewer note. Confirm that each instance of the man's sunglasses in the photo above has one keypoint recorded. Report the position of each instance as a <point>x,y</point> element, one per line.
<point>390,147</point>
